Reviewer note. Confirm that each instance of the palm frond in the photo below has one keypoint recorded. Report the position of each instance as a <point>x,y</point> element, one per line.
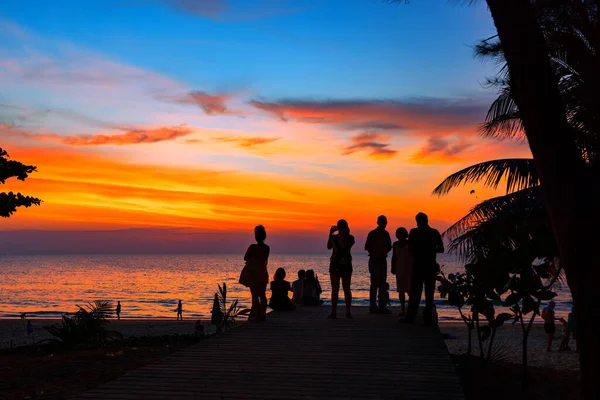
<point>520,173</point>
<point>502,120</point>
<point>503,222</point>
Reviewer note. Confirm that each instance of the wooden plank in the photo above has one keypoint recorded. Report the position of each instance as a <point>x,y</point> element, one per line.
<point>301,355</point>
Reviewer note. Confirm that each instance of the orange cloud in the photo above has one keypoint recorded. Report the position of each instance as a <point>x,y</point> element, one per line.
<point>246,142</point>
<point>372,143</point>
<point>82,188</point>
<point>133,136</point>
<point>437,148</point>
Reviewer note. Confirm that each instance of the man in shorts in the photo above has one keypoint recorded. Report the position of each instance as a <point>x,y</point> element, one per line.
<point>549,317</point>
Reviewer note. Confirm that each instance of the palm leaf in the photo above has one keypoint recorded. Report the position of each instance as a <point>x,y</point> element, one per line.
<point>520,173</point>
<point>502,120</point>
<point>503,222</point>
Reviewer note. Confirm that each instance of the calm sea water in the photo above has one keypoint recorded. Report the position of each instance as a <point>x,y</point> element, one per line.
<point>150,285</point>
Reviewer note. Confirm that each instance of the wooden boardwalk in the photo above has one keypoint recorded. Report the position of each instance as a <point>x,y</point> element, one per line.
<point>301,355</point>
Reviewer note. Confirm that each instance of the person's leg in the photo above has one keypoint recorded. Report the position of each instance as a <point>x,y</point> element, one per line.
<point>402,298</point>
<point>347,295</point>
<point>373,286</point>
<point>262,297</point>
<point>549,338</point>
<point>382,279</point>
<point>429,284</point>
<point>255,304</point>
<point>335,289</point>
<point>416,288</point>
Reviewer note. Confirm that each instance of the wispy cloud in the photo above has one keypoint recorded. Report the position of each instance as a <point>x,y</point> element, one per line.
<point>210,103</point>
<point>129,137</point>
<point>373,144</point>
<point>424,116</point>
<point>229,10</point>
<point>441,149</point>
<point>204,8</point>
<point>246,142</point>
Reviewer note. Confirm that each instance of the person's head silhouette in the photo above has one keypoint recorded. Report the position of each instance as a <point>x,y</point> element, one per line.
<point>382,221</point>
<point>279,274</point>
<point>422,219</point>
<point>343,227</point>
<point>260,233</point>
<point>401,233</point>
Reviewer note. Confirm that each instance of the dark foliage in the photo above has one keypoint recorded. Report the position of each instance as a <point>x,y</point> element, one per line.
<point>9,202</point>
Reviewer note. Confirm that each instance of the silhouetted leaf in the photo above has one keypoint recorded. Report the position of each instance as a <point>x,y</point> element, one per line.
<point>545,295</point>
<point>504,317</point>
<point>486,331</point>
<point>529,305</point>
<point>512,299</point>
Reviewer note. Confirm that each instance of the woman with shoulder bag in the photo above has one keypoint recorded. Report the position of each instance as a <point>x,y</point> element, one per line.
<point>255,275</point>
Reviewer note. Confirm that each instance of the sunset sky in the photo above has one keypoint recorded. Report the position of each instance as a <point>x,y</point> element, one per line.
<point>188,117</point>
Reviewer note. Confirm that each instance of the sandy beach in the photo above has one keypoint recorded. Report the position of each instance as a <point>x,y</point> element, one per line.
<point>510,336</point>
<point>13,332</point>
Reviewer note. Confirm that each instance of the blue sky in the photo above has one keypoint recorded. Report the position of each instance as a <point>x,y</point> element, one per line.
<point>315,49</point>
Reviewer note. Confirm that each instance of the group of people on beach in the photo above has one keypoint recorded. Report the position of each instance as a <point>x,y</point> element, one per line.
<point>570,328</point>
<point>413,263</point>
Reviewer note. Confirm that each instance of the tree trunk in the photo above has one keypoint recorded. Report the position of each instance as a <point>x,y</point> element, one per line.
<point>470,345</point>
<point>571,188</point>
<point>491,346</point>
<point>481,358</point>
<point>524,378</point>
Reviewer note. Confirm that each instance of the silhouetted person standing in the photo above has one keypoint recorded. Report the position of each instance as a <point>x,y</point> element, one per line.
<point>340,266</point>
<point>255,275</point>
<point>118,310</point>
<point>425,242</point>
<point>378,245</point>
<point>179,310</point>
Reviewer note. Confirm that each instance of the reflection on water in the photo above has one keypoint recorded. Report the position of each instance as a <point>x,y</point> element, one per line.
<point>150,285</point>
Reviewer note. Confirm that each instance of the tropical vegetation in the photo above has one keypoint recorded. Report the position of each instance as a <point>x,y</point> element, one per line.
<point>86,327</point>
<point>547,94</point>
<point>9,202</point>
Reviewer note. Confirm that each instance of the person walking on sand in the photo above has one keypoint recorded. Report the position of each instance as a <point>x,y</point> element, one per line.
<point>255,275</point>
<point>378,245</point>
<point>179,310</point>
<point>118,310</point>
<point>425,242</point>
<point>402,265</point>
<point>340,265</point>
<point>548,315</point>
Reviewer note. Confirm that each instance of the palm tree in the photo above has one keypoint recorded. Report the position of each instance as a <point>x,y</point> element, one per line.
<point>523,202</point>
<point>559,114</point>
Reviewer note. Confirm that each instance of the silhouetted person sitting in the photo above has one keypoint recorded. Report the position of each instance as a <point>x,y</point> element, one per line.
<point>378,245</point>
<point>279,292</point>
<point>255,275</point>
<point>118,310</point>
<point>311,293</point>
<point>425,242</point>
<point>340,266</point>
<point>298,287</point>
<point>179,310</point>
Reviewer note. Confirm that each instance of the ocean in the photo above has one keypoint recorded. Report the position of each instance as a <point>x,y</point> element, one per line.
<point>151,285</point>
